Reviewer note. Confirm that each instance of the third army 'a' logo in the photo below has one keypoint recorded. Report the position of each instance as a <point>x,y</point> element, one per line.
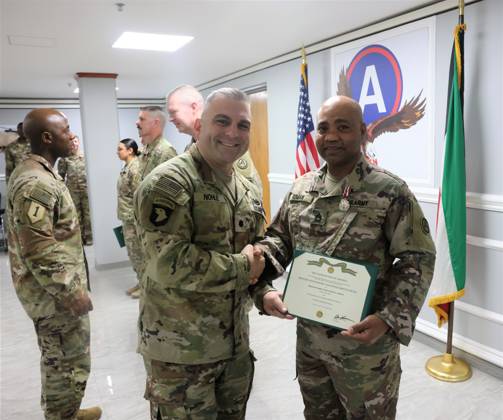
<point>374,79</point>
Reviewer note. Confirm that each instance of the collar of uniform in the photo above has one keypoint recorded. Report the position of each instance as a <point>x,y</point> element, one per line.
<point>45,164</point>
<point>354,179</point>
<point>150,146</point>
<point>78,156</point>
<point>202,166</point>
<point>208,175</point>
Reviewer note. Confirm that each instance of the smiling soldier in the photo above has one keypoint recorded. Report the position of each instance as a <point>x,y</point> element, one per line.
<point>198,216</point>
<point>352,210</point>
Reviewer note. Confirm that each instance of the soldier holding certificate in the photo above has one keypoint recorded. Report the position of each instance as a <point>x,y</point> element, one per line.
<point>352,210</point>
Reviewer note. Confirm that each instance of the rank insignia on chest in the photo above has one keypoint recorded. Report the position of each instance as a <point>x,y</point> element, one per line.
<point>35,212</point>
<point>159,215</point>
<point>242,163</point>
<point>242,224</point>
<point>318,217</point>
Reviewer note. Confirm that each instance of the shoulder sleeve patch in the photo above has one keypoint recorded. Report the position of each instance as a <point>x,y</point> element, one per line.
<point>168,186</point>
<point>170,189</point>
<point>41,194</point>
<point>159,214</point>
<point>36,212</point>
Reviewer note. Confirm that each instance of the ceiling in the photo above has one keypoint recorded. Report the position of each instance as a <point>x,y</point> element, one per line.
<point>77,36</point>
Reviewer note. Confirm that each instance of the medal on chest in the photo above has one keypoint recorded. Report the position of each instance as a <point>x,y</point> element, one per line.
<point>344,203</point>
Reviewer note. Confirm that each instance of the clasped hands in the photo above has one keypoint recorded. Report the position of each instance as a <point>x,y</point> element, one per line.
<point>256,259</point>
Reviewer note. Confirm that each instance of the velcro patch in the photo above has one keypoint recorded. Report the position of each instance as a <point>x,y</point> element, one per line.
<point>159,215</point>
<point>36,212</point>
<point>257,206</point>
<point>168,186</point>
<point>306,198</point>
<point>242,164</point>
<point>424,226</point>
<point>209,196</point>
<point>40,193</point>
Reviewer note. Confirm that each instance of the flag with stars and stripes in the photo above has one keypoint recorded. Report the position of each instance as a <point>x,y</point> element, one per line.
<point>306,155</point>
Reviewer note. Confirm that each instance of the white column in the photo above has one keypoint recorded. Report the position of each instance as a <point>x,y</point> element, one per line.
<point>100,132</point>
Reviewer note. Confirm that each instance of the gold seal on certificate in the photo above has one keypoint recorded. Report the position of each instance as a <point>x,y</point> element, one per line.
<point>328,290</point>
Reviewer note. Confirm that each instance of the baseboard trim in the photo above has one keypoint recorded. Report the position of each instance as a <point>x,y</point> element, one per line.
<point>476,350</point>
<point>111,266</point>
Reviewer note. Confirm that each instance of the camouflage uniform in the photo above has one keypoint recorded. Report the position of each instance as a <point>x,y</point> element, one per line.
<point>47,265</point>
<point>15,153</point>
<point>193,323</point>
<point>153,154</point>
<point>244,165</point>
<point>127,184</point>
<point>340,377</point>
<point>73,170</point>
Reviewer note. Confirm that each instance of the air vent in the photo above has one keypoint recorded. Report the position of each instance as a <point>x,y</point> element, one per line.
<point>31,41</point>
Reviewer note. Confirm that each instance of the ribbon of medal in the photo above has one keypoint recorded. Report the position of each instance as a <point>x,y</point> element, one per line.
<point>344,203</point>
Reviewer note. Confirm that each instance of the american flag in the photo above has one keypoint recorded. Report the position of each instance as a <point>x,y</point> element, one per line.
<point>306,155</point>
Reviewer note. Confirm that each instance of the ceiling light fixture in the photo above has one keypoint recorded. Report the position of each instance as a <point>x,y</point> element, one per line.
<point>151,42</point>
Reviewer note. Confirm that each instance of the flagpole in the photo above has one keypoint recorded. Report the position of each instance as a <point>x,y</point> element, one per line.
<point>446,367</point>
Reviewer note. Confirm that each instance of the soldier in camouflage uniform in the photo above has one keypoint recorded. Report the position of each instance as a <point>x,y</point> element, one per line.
<point>352,210</point>
<point>150,124</point>
<point>47,265</point>
<point>128,182</point>
<point>197,216</point>
<point>156,150</point>
<point>73,171</point>
<point>185,106</point>
<point>16,152</point>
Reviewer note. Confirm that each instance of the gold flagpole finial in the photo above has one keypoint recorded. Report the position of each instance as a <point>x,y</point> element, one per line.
<point>303,54</point>
<point>461,7</point>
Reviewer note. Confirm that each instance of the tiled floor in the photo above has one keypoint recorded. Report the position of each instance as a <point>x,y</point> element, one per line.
<point>117,377</point>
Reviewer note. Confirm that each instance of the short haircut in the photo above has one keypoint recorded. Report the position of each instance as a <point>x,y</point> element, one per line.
<point>157,112</point>
<point>229,93</point>
<point>190,91</point>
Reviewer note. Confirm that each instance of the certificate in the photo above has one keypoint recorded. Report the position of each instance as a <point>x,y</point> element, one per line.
<point>330,291</point>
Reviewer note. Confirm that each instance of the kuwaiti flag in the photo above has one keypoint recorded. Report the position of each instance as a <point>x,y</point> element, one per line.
<point>450,266</point>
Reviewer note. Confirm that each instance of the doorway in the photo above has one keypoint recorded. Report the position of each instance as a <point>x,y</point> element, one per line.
<point>259,144</point>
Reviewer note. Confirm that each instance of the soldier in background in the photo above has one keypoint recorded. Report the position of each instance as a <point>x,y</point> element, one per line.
<point>47,266</point>
<point>197,215</point>
<point>185,106</point>
<point>356,211</point>
<point>129,179</point>
<point>73,171</point>
<point>156,150</point>
<point>16,152</point>
<point>151,122</point>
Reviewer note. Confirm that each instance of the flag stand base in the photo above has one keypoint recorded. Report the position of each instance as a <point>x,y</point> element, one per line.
<point>448,368</point>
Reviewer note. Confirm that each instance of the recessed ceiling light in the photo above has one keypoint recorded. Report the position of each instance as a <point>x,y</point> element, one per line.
<point>151,42</point>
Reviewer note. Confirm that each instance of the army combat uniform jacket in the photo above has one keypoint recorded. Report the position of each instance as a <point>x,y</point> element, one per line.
<point>128,182</point>
<point>195,295</point>
<point>45,248</point>
<point>15,153</point>
<point>73,171</point>
<point>153,154</point>
<point>384,222</point>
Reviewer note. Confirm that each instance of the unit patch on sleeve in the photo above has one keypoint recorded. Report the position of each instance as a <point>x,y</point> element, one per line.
<point>36,212</point>
<point>159,215</point>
